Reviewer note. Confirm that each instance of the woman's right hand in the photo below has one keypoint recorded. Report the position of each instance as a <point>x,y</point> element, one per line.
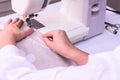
<point>58,41</point>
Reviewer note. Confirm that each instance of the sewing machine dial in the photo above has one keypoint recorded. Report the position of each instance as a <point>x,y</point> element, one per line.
<point>95,8</point>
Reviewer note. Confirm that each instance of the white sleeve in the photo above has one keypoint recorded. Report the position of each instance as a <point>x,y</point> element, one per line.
<point>12,65</point>
<point>15,67</point>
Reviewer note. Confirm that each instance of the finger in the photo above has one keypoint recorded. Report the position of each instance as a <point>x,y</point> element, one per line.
<point>27,32</point>
<point>0,30</point>
<point>9,21</point>
<point>24,17</point>
<point>50,32</point>
<point>24,34</point>
<point>19,23</point>
<point>48,42</point>
<point>47,35</point>
<point>16,19</point>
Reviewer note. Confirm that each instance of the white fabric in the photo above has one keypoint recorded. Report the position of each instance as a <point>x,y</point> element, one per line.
<point>103,66</point>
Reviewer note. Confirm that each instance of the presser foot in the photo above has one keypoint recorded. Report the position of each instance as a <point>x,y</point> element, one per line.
<point>33,23</point>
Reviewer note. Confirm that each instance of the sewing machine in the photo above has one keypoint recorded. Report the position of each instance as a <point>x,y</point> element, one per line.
<point>81,19</point>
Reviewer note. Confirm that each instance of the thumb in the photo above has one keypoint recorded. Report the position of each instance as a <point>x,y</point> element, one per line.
<point>0,30</point>
<point>28,31</point>
<point>48,42</point>
<point>25,33</point>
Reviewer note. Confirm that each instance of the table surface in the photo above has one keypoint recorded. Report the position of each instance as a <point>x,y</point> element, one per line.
<point>103,42</point>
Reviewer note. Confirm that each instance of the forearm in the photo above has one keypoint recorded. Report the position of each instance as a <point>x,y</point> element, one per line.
<point>78,56</point>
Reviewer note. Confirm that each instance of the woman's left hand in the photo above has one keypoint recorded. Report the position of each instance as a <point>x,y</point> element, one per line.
<point>12,32</point>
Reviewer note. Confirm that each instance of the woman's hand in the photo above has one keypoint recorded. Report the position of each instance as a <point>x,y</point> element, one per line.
<point>58,41</point>
<point>12,33</point>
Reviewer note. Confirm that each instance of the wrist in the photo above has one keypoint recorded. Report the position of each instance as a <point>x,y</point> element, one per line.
<point>78,56</point>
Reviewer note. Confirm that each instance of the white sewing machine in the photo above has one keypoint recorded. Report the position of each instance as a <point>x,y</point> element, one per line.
<point>81,19</point>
